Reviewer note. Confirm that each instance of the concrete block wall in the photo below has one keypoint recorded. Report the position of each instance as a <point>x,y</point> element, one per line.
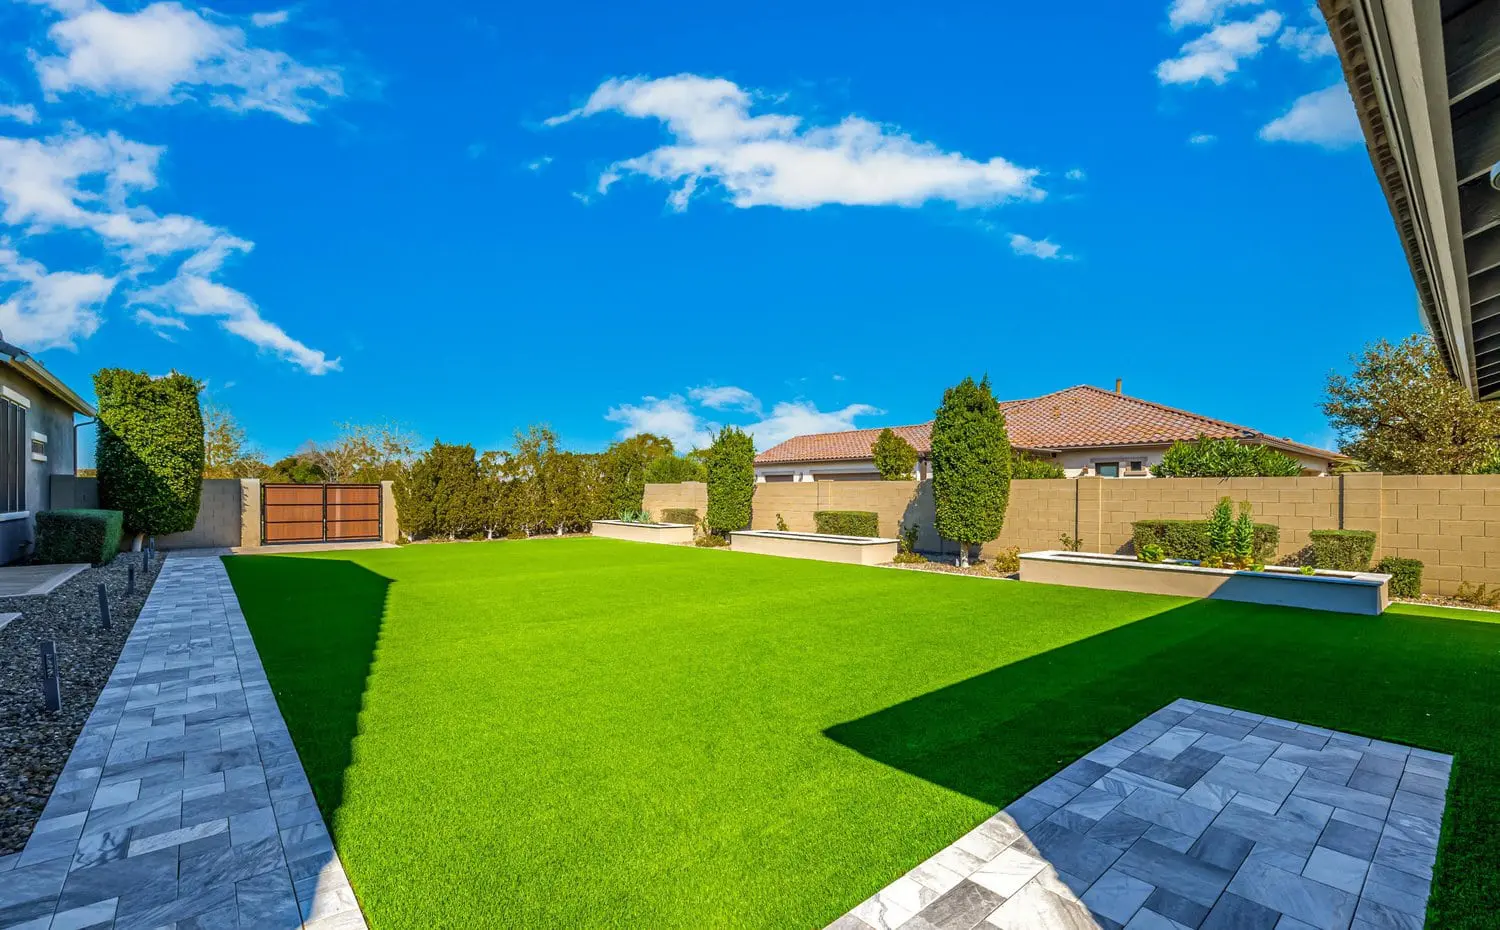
<point>1450,522</point>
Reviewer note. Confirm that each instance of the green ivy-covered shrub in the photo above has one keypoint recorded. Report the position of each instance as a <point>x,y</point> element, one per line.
<point>1190,539</point>
<point>1406,575</point>
<point>78,536</point>
<point>150,450</point>
<point>731,480</point>
<point>847,522</point>
<point>1342,550</point>
<point>686,515</point>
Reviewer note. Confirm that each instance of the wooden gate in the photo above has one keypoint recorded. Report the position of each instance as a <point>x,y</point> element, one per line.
<point>301,513</point>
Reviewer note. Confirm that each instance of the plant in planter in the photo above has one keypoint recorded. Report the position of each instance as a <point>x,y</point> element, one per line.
<point>635,516</point>
<point>1151,552</point>
<point>906,545</point>
<point>781,524</point>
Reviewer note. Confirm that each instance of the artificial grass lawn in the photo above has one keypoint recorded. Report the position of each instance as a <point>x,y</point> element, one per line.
<point>586,732</point>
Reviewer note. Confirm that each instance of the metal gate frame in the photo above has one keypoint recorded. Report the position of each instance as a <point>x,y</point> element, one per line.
<point>323,507</point>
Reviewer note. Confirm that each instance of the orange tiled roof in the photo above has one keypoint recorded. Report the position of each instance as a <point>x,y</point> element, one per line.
<point>1078,417</point>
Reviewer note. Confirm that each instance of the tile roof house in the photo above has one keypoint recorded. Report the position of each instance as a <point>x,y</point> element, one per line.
<point>1086,430</point>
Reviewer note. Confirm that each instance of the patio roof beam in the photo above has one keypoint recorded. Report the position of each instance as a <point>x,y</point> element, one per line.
<point>1472,39</point>
<point>1482,251</point>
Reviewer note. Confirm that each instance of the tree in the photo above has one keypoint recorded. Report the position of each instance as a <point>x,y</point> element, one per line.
<point>440,495</point>
<point>1025,465</point>
<point>529,503</point>
<point>150,449</point>
<point>895,458</point>
<point>675,469</point>
<point>731,480</point>
<point>294,469</point>
<point>625,463</point>
<point>1224,458</point>
<point>365,453</point>
<point>225,454</point>
<point>970,466</point>
<point>1400,412</point>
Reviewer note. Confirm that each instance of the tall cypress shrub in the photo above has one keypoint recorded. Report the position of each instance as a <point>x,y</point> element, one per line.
<point>970,466</point>
<point>731,480</point>
<point>441,494</point>
<point>150,449</point>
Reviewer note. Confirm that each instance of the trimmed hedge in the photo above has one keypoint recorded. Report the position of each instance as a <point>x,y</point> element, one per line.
<point>78,536</point>
<point>1406,575</point>
<point>1342,550</point>
<point>731,480</point>
<point>686,515</point>
<point>847,522</point>
<point>150,449</point>
<point>1188,539</point>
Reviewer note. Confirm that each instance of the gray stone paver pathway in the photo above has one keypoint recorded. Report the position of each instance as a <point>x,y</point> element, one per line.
<point>183,803</point>
<point>1199,817</point>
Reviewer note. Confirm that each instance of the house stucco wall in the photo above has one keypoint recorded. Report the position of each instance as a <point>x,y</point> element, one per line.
<point>52,418</point>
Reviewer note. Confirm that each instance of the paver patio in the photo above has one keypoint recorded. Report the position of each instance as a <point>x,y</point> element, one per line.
<point>184,800</point>
<point>1198,816</point>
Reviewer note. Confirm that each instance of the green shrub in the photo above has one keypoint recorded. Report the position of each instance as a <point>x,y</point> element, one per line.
<point>731,480</point>
<point>847,522</point>
<point>680,515</point>
<point>1481,596</point>
<point>1224,458</point>
<point>150,449</point>
<point>1006,561</point>
<point>909,558</point>
<point>635,516</point>
<point>781,526</point>
<point>1342,550</point>
<point>1306,570</point>
<point>970,466</point>
<point>78,535</point>
<point>674,469</point>
<point>1151,552</point>
<point>1024,465</point>
<point>1406,575</point>
<point>711,540</point>
<point>895,458</point>
<point>1189,539</point>
<point>906,539</point>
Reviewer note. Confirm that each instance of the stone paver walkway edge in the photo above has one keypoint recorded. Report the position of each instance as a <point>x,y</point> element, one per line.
<point>184,801</point>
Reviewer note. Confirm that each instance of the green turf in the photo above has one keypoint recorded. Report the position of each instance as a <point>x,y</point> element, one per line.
<point>582,732</point>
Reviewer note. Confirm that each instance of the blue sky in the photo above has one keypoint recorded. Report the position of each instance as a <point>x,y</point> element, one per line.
<point>468,217</point>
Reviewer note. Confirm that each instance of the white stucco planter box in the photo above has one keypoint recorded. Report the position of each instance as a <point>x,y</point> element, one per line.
<point>856,550</point>
<point>1344,592</point>
<point>669,533</point>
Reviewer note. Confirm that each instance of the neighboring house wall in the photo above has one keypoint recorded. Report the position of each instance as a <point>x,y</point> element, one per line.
<point>229,511</point>
<point>47,416</point>
<point>1075,463</point>
<point>1450,522</point>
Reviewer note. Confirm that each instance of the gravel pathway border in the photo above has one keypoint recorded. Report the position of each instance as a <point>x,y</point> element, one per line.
<point>35,744</point>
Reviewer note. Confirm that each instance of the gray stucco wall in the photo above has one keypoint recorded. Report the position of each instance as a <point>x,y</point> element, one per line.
<point>54,419</point>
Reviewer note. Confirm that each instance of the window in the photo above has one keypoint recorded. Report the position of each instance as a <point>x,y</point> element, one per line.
<point>1107,469</point>
<point>13,455</point>
<point>38,447</point>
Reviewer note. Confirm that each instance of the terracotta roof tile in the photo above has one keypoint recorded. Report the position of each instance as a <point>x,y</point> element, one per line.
<point>1078,417</point>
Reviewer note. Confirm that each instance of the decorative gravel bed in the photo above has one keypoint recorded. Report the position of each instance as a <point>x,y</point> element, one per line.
<point>34,744</point>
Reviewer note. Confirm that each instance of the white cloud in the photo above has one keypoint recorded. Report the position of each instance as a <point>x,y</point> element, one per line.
<point>476,149</point>
<point>274,18</point>
<point>537,164</point>
<point>1202,138</point>
<point>1184,13</point>
<point>1075,174</point>
<point>87,184</point>
<point>159,321</point>
<point>773,159</point>
<point>20,112</point>
<point>1309,44</point>
<point>725,398</point>
<point>664,416</point>
<point>796,418</point>
<point>1037,248</point>
<point>1324,117</point>
<point>674,417</point>
<point>166,53</point>
<point>1217,54</point>
<point>48,310</point>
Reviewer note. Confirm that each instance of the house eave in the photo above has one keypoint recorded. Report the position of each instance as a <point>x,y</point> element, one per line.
<point>37,374</point>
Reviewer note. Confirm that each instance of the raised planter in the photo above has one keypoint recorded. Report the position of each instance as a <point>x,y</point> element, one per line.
<point>857,550</point>
<point>1344,592</point>
<point>669,533</point>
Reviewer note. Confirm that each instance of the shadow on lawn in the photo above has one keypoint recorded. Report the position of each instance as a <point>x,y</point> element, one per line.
<point>1417,680</point>
<point>316,623</point>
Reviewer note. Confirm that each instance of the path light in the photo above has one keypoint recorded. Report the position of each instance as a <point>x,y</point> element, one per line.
<point>51,686</point>
<point>129,580</point>
<point>103,607</point>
